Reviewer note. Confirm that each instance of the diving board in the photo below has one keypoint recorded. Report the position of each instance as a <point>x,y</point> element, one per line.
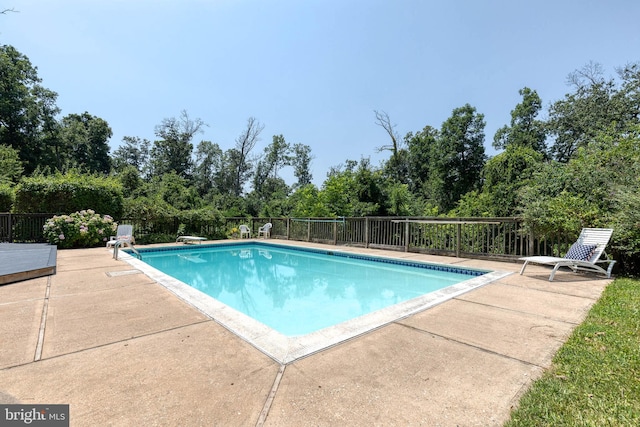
<point>190,239</point>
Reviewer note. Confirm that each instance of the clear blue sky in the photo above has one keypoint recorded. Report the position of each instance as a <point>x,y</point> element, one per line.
<point>313,70</point>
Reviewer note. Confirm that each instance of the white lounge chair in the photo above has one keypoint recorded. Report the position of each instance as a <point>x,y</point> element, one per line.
<point>124,235</point>
<point>265,230</point>
<point>585,254</point>
<point>245,231</point>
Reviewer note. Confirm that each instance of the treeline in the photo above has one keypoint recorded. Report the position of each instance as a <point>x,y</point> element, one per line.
<point>577,167</point>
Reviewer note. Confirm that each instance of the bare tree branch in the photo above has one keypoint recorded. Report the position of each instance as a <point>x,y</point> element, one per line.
<point>3,12</point>
<point>249,137</point>
<point>383,120</point>
<point>591,74</point>
<point>245,142</point>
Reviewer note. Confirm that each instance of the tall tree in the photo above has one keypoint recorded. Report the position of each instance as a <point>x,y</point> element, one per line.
<point>420,147</point>
<point>596,105</point>
<point>209,165</point>
<point>301,163</point>
<point>459,155</point>
<point>238,157</point>
<point>10,165</point>
<point>173,151</point>
<point>26,108</point>
<point>133,151</point>
<point>268,188</point>
<point>276,155</point>
<point>354,190</point>
<point>504,176</point>
<point>396,166</point>
<point>525,130</point>
<point>85,143</point>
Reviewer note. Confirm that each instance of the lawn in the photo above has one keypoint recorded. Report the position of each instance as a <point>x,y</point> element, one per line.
<point>595,376</point>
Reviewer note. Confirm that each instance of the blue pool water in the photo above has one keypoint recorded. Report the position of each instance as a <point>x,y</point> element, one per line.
<point>297,292</point>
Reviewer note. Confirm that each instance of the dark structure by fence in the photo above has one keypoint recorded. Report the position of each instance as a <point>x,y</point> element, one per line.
<point>492,238</point>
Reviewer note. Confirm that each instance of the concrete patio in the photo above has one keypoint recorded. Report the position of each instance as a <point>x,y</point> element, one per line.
<point>122,350</point>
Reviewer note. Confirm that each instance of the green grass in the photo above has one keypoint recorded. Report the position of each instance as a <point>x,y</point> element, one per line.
<point>595,376</point>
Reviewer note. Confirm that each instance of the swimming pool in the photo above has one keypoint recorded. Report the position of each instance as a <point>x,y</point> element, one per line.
<point>292,301</point>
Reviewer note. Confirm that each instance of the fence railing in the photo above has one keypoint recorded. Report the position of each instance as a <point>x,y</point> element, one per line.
<point>22,227</point>
<point>496,238</point>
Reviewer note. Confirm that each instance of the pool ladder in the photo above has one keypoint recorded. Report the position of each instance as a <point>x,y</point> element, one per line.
<point>117,245</point>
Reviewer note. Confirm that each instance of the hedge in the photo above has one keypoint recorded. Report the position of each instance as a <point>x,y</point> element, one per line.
<point>69,193</point>
<point>7,196</point>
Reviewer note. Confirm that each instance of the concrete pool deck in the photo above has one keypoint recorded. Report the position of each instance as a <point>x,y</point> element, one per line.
<point>122,350</point>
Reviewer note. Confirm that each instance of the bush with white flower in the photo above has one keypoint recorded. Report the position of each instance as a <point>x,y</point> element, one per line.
<point>81,229</point>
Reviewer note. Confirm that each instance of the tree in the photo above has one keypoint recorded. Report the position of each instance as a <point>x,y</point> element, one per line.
<point>238,157</point>
<point>525,130</point>
<point>84,143</point>
<point>209,165</point>
<point>420,147</point>
<point>399,200</point>
<point>383,120</point>
<point>459,156</point>
<point>354,190</point>
<point>396,165</point>
<point>276,156</point>
<point>586,191</point>
<point>595,106</point>
<point>129,176</point>
<point>173,151</point>
<point>10,165</point>
<point>308,201</point>
<point>133,151</point>
<point>174,190</point>
<point>301,162</point>
<point>504,176</point>
<point>269,190</point>
<point>25,108</point>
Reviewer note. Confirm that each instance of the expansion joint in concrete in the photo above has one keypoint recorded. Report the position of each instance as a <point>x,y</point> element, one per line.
<point>272,394</point>
<point>485,350</point>
<point>43,322</point>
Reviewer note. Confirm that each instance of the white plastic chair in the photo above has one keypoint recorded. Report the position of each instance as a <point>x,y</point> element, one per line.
<point>124,235</point>
<point>265,230</point>
<point>245,231</point>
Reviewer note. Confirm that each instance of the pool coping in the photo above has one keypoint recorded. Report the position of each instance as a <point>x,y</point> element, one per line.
<point>285,350</point>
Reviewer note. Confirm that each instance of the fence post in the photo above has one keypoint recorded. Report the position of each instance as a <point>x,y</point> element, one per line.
<point>458,239</point>
<point>366,231</point>
<point>335,233</point>
<point>406,236</point>
<point>531,244</point>
<point>10,228</point>
<point>309,230</point>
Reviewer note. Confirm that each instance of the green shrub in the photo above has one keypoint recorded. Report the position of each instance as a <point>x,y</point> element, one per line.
<point>154,216</point>
<point>79,230</point>
<point>157,217</point>
<point>70,192</point>
<point>207,222</point>
<point>153,238</point>
<point>7,197</point>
